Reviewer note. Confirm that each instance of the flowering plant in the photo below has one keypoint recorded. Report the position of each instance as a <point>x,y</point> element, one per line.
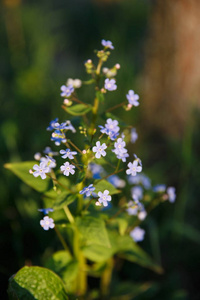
<point>87,185</point>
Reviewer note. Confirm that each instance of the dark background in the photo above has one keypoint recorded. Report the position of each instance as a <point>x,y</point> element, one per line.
<point>42,43</point>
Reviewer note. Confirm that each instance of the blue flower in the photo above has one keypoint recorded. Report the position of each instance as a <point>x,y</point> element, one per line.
<point>53,124</point>
<point>159,188</point>
<point>67,168</point>
<point>132,98</point>
<point>68,153</point>
<point>107,44</point>
<point>58,137</point>
<point>87,191</point>
<point>99,149</point>
<point>140,179</point>
<point>134,135</point>
<point>45,211</point>
<point>137,193</point>
<point>104,197</point>
<point>96,170</point>
<point>47,223</point>
<point>66,90</point>
<point>111,128</point>
<point>49,152</point>
<point>137,234</point>
<point>110,84</point>
<point>40,170</point>
<point>116,181</point>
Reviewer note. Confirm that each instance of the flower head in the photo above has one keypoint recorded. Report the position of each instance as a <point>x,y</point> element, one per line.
<point>45,211</point>
<point>137,193</point>
<point>133,168</point>
<point>116,181</point>
<point>87,191</point>
<point>171,191</point>
<point>107,44</point>
<point>104,197</point>
<point>68,153</point>
<point>110,84</point>
<point>132,98</point>
<point>49,162</point>
<point>111,128</point>
<point>58,137</point>
<point>137,234</point>
<point>66,90</point>
<point>47,223</point>
<point>40,170</point>
<point>67,168</point>
<point>99,149</point>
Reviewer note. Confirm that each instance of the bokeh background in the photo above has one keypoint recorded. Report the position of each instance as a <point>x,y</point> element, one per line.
<point>42,43</point>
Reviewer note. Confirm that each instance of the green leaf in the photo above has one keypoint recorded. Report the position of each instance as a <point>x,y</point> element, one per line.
<point>128,290</point>
<point>64,199</point>
<point>100,96</point>
<point>124,247</point>
<point>36,283</point>
<point>97,253</point>
<point>78,109</point>
<point>93,230</point>
<point>65,266</point>
<point>81,176</point>
<point>21,169</point>
<point>102,185</point>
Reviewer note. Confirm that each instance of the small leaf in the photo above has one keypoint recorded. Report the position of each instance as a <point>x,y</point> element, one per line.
<point>78,109</point>
<point>102,185</point>
<point>80,177</point>
<point>33,283</point>
<point>93,230</point>
<point>21,169</point>
<point>64,199</point>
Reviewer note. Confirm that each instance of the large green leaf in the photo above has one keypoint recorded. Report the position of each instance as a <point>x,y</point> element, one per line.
<point>78,109</point>
<point>125,247</point>
<point>102,185</point>
<point>64,265</point>
<point>63,199</point>
<point>36,283</point>
<point>21,169</point>
<point>93,230</point>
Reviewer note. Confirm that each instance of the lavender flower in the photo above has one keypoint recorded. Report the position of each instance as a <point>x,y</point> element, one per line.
<point>132,98</point>
<point>68,153</point>
<point>66,90</point>
<point>45,211</point>
<point>47,223</point>
<point>104,197</point>
<point>67,168</point>
<point>99,149</point>
<point>137,234</point>
<point>133,168</point>
<point>134,135</point>
<point>110,84</point>
<point>171,191</point>
<point>107,44</point>
<point>40,170</point>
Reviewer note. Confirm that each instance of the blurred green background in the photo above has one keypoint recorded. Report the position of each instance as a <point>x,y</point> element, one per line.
<point>42,44</point>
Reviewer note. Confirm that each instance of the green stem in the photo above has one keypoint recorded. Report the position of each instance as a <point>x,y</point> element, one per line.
<point>62,240</point>
<point>106,278</point>
<point>68,214</point>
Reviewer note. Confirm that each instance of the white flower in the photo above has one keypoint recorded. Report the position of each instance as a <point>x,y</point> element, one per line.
<point>171,191</point>
<point>40,170</point>
<point>47,223</point>
<point>99,149</point>
<point>133,168</point>
<point>67,168</point>
<point>104,197</point>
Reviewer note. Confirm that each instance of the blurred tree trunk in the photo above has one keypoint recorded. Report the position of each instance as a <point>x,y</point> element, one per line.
<point>171,86</point>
